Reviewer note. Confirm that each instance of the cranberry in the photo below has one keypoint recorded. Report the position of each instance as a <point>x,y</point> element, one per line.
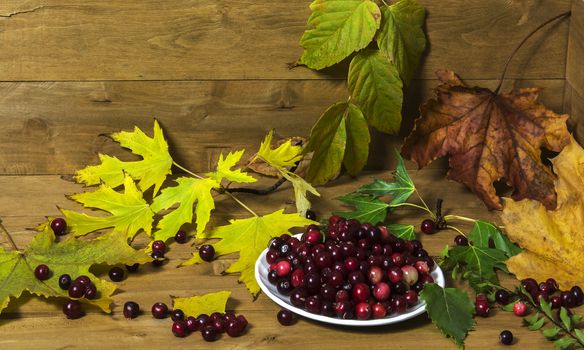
<point>428,227</point>
<point>207,252</point>
<point>131,310</point>
<point>381,291</point>
<point>42,272</point>
<point>363,311</point>
<point>378,310</point>
<point>411,297</point>
<point>209,333</point>
<point>286,317</point>
<point>482,308</point>
<point>59,226</point>
<point>180,329</point>
<point>360,292</point>
<point>502,297</point>
<point>159,246</point>
<point>72,309</point>
<point>519,308</point>
<point>159,310</point>
<point>395,274</point>
<point>283,268</point>
<point>410,274</point>
<point>181,237</point>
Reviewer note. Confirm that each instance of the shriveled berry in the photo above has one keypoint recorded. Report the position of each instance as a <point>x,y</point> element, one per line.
<point>207,252</point>
<point>91,291</point>
<point>159,310</point>
<point>131,310</point>
<point>286,317</point>
<point>59,226</point>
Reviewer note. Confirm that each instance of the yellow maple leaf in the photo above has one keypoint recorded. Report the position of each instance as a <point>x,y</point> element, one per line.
<point>553,239</point>
<point>250,237</point>
<point>188,192</point>
<point>203,304</point>
<point>224,170</point>
<point>150,171</point>
<point>130,213</point>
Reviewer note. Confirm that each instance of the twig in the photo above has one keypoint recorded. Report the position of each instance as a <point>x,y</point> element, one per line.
<point>261,191</point>
<point>241,203</point>
<point>187,170</point>
<point>12,243</point>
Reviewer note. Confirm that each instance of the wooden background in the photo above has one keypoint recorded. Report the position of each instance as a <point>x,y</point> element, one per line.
<point>215,73</point>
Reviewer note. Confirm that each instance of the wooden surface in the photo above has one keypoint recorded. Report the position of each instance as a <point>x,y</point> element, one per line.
<point>215,72</point>
<point>34,323</point>
<point>574,95</point>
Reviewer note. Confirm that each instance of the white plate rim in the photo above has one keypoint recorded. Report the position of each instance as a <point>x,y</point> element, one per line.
<point>261,266</point>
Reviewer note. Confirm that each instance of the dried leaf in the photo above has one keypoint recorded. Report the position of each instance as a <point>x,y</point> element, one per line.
<point>552,240</point>
<point>489,137</point>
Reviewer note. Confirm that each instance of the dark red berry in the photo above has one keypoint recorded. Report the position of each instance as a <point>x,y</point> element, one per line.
<point>242,322</point>
<point>428,227</point>
<point>42,272</point>
<point>578,295</point>
<point>363,311</point>
<point>556,301</point>
<point>209,333</point>
<point>177,315</point>
<point>286,317</point>
<point>91,291</point>
<point>360,292</point>
<point>310,215</point>
<point>506,337</point>
<point>158,257</point>
<point>159,310</point>
<point>132,268</point>
<point>116,274</point>
<point>180,329</point>
<point>131,310</point>
<point>181,237</point>
<point>191,323</point>
<point>482,308</point>
<point>83,280</point>
<point>65,281</point>
<point>460,240</point>
<point>159,246</point>
<point>72,309</point>
<point>233,329</point>
<point>378,311</point>
<point>207,252</point>
<point>59,226</point>
<point>502,297</point>
<point>76,290</point>
<point>202,321</point>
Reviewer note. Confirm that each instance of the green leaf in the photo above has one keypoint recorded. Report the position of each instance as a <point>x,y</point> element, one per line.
<point>224,170</point>
<point>546,308</point>
<point>565,318</point>
<point>337,29</point>
<point>358,138</point>
<point>576,319</point>
<point>580,335</point>
<point>480,262</point>
<point>130,213</point>
<point>564,343</point>
<point>508,307</point>
<point>483,231</point>
<point>401,36</point>
<point>401,188</point>
<point>150,171</point>
<point>249,237</point>
<point>537,324</point>
<point>375,86</point>
<point>367,209</point>
<point>202,304</point>
<point>72,256</point>
<point>402,231</point>
<point>450,309</point>
<point>188,191</point>
<point>551,333</point>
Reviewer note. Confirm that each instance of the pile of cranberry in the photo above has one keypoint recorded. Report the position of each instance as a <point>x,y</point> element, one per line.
<point>349,270</point>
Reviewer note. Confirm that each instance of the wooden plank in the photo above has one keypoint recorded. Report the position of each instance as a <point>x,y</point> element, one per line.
<point>52,40</point>
<point>574,96</point>
<point>26,199</point>
<point>574,105</point>
<point>54,127</point>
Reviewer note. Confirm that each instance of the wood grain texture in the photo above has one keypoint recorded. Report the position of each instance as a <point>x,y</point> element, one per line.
<point>54,127</point>
<point>27,199</point>
<point>574,95</point>
<point>54,40</point>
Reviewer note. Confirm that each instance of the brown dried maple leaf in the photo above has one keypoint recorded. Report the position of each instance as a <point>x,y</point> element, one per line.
<point>489,137</point>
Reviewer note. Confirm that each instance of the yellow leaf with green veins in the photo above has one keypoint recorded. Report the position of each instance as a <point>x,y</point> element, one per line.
<point>130,213</point>
<point>300,188</point>
<point>72,256</point>
<point>203,304</point>
<point>224,170</point>
<point>250,237</point>
<point>150,171</point>
<point>188,192</point>
<point>285,155</point>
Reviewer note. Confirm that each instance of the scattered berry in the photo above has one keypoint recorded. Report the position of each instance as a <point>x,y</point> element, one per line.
<point>181,237</point>
<point>131,310</point>
<point>159,310</point>
<point>310,215</point>
<point>506,337</point>
<point>116,274</point>
<point>90,291</point>
<point>177,315</point>
<point>460,240</point>
<point>158,257</point>
<point>59,226</point>
<point>482,308</point>
<point>132,268</point>
<point>42,272</point>
<point>428,227</point>
<point>209,333</point>
<point>502,297</point>
<point>520,308</point>
<point>286,317</point>
<point>76,290</point>
<point>64,281</point>
<point>207,252</point>
<point>159,246</point>
<point>180,329</point>
<point>72,309</point>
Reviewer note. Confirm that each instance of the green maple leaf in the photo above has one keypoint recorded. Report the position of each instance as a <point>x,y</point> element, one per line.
<point>72,256</point>
<point>202,304</point>
<point>402,231</point>
<point>400,189</point>
<point>224,170</point>
<point>337,29</point>
<point>339,136</point>
<point>284,156</point>
<point>188,191</point>
<point>250,237</point>
<point>401,36</point>
<point>150,171</point>
<point>479,262</point>
<point>367,208</point>
<point>483,231</point>
<point>375,85</point>
<point>129,211</point>
<point>450,310</point>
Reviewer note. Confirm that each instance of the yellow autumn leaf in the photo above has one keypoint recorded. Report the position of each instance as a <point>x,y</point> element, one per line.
<point>553,240</point>
<point>250,237</point>
<point>224,170</point>
<point>188,192</point>
<point>150,171</point>
<point>203,304</point>
<point>301,186</point>
<point>130,213</point>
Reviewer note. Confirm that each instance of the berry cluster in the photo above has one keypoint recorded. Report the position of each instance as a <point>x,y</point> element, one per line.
<point>78,288</point>
<point>354,271</point>
<point>550,292</point>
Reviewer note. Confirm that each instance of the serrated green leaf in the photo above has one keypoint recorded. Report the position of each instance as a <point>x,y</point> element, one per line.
<point>546,308</point>
<point>358,138</point>
<point>224,170</point>
<point>367,209</point>
<point>479,262</point>
<point>402,231</point>
<point>445,251</point>
<point>401,36</point>
<point>579,335</point>
<point>551,333</point>
<point>285,155</point>
<point>537,324</point>
<point>338,28</point>
<point>450,309</point>
<point>72,256</point>
<point>150,171</point>
<point>564,343</point>
<point>400,189</point>
<point>130,213</point>
<point>483,231</point>
<point>187,192</point>
<point>376,87</point>
<point>565,318</point>
<point>202,304</point>
<point>508,307</point>
<point>249,237</point>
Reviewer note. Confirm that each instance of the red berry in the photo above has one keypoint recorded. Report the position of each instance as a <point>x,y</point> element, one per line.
<point>209,333</point>
<point>42,272</point>
<point>428,227</point>
<point>131,310</point>
<point>59,226</point>
<point>378,310</point>
<point>159,310</point>
<point>411,297</point>
<point>360,292</point>
<point>72,309</point>
<point>422,267</point>
<point>283,268</point>
<point>381,291</point>
<point>207,252</point>
<point>395,274</point>
<point>286,317</point>
<point>180,329</point>
<point>181,237</point>
<point>159,246</point>
<point>482,308</point>
<point>297,277</point>
<point>519,309</point>
<point>363,311</point>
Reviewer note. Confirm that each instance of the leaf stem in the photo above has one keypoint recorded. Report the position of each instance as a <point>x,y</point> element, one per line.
<point>262,191</point>
<point>241,203</point>
<point>506,66</point>
<point>458,217</point>
<point>424,204</point>
<point>407,204</point>
<point>12,243</point>
<point>450,227</point>
<point>187,170</point>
